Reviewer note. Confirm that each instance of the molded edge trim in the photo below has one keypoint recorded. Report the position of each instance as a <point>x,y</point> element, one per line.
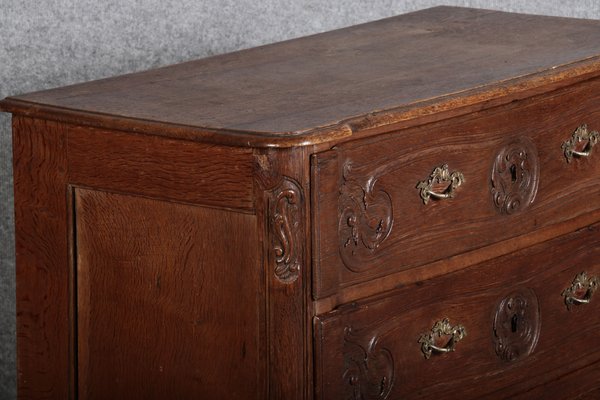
<point>361,126</point>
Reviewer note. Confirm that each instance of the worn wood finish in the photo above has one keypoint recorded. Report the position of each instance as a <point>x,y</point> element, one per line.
<point>164,309</point>
<point>44,356</point>
<point>392,324</point>
<point>452,264</point>
<point>171,169</point>
<point>285,93</point>
<point>365,186</point>
<point>580,383</point>
<point>251,225</point>
<point>281,188</point>
<point>592,394</point>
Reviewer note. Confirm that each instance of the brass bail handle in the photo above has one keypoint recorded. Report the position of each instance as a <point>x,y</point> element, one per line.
<point>573,148</point>
<point>581,290</point>
<point>441,176</point>
<point>441,328</point>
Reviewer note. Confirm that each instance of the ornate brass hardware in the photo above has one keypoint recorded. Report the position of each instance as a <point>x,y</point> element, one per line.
<point>440,177</point>
<point>515,175</point>
<point>441,328</point>
<point>573,147</point>
<point>581,290</point>
<point>516,326</point>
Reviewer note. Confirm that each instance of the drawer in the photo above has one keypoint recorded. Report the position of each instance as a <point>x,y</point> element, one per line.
<point>518,330</point>
<point>507,175</point>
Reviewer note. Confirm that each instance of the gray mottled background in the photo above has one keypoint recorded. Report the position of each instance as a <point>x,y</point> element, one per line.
<point>44,44</point>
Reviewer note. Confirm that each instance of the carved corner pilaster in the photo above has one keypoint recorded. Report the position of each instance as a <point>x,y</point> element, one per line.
<point>286,229</point>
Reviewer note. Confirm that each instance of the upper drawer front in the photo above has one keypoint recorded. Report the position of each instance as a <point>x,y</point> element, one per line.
<point>513,332</point>
<point>510,176</point>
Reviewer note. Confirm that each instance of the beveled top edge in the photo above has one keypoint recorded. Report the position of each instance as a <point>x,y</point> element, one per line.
<point>369,97</point>
<point>430,110</point>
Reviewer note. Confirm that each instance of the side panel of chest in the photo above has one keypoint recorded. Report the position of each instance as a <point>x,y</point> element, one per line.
<point>157,268</point>
<point>164,308</point>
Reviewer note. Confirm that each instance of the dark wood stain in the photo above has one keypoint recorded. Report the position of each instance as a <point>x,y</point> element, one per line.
<point>367,75</point>
<point>249,225</point>
<point>171,169</point>
<point>164,309</point>
<point>469,297</point>
<point>42,255</point>
<point>398,161</point>
<point>289,309</point>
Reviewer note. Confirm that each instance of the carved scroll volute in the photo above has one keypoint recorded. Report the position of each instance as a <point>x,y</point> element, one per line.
<point>515,176</point>
<point>366,218</point>
<point>286,206</point>
<point>369,368</point>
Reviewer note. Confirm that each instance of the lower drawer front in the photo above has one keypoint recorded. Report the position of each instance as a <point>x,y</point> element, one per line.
<point>508,323</point>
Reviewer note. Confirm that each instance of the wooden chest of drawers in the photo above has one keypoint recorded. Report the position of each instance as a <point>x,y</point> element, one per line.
<point>406,209</point>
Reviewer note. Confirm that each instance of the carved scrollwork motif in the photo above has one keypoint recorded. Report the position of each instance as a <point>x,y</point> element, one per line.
<point>516,325</point>
<point>515,176</point>
<point>286,218</point>
<point>369,368</point>
<point>366,219</point>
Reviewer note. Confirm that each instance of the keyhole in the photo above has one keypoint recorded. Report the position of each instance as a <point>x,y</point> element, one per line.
<point>382,385</point>
<point>513,173</point>
<point>514,321</point>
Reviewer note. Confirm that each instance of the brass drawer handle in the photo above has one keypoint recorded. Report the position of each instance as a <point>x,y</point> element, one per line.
<point>581,290</point>
<point>574,148</point>
<point>441,184</point>
<point>441,328</point>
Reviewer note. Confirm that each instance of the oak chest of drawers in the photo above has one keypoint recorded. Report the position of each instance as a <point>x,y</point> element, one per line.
<point>405,209</point>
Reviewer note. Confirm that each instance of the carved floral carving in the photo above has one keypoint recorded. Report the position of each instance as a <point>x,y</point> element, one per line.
<point>515,176</point>
<point>369,368</point>
<point>366,219</point>
<point>286,218</point>
<point>516,325</point>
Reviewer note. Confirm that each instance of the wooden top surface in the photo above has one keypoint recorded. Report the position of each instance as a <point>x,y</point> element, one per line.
<point>336,84</point>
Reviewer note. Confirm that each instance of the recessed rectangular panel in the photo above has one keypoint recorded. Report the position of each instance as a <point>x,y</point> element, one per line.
<point>169,300</point>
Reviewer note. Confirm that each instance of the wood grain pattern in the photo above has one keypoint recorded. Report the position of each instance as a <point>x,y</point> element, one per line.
<point>387,169</point>
<point>165,309</point>
<point>42,254</point>
<point>394,321</point>
<point>289,310</point>
<point>334,85</point>
<point>170,169</point>
<point>251,225</point>
<point>452,264</point>
<point>580,383</point>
